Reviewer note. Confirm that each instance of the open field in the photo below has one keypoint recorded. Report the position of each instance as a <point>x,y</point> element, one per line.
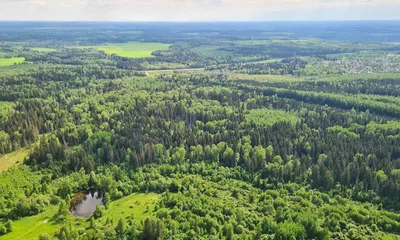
<point>32,227</point>
<point>268,117</point>
<point>135,204</point>
<point>131,49</point>
<point>10,61</point>
<point>13,158</point>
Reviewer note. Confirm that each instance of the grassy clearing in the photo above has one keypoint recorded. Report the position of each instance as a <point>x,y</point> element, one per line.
<point>44,49</point>
<point>158,73</point>
<point>268,117</point>
<point>12,159</point>
<point>32,227</point>
<point>10,61</point>
<point>131,49</point>
<point>135,204</point>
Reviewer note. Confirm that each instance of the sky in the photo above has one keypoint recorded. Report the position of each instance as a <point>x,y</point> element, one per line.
<point>199,10</point>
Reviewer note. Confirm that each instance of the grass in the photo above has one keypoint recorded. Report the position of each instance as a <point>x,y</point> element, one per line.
<point>12,159</point>
<point>44,49</point>
<point>158,73</point>
<point>131,49</point>
<point>135,204</point>
<point>10,61</point>
<point>268,117</point>
<point>32,227</point>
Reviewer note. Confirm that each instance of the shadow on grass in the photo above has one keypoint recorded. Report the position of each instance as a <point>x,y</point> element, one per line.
<point>56,220</point>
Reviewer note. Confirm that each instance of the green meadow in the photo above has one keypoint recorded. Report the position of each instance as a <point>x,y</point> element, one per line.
<point>264,77</point>
<point>268,117</point>
<point>11,159</point>
<point>32,227</point>
<point>10,61</point>
<point>131,49</point>
<point>139,205</point>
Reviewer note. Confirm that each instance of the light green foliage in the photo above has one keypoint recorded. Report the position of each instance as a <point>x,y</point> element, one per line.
<point>33,227</point>
<point>268,117</point>
<point>10,61</point>
<point>44,236</point>
<point>134,204</point>
<point>14,182</point>
<point>343,131</point>
<point>6,109</point>
<point>178,155</point>
<point>131,49</point>
<point>5,144</point>
<point>381,175</point>
<point>120,228</point>
<point>63,209</point>
<point>98,212</point>
<point>389,128</point>
<point>288,230</point>
<point>263,140</point>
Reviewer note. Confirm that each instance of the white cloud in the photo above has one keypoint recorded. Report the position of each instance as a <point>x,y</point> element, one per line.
<point>197,10</point>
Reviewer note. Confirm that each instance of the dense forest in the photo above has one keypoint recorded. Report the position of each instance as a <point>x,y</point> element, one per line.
<point>224,134</point>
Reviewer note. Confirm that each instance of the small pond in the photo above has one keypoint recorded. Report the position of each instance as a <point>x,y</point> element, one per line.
<point>84,204</point>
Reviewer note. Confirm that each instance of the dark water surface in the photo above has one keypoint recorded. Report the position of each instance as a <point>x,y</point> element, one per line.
<point>84,204</point>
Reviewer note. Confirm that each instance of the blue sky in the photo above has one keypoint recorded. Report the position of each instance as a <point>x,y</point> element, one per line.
<point>199,10</point>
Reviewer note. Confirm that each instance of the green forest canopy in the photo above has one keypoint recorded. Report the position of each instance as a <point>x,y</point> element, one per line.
<point>273,135</point>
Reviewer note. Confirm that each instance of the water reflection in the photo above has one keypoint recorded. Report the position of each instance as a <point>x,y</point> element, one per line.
<point>84,204</point>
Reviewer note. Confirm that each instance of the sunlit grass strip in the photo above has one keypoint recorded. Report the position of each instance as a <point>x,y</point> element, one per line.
<point>10,61</point>
<point>131,49</point>
<point>268,117</point>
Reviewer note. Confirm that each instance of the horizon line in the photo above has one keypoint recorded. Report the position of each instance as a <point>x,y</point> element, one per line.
<point>204,21</point>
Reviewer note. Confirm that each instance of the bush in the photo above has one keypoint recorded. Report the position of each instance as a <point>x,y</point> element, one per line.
<point>44,236</point>
<point>98,212</point>
<point>290,230</point>
<point>239,229</point>
<point>7,228</point>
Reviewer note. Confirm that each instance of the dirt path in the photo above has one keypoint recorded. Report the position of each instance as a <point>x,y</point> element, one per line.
<point>172,70</point>
<point>30,230</point>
